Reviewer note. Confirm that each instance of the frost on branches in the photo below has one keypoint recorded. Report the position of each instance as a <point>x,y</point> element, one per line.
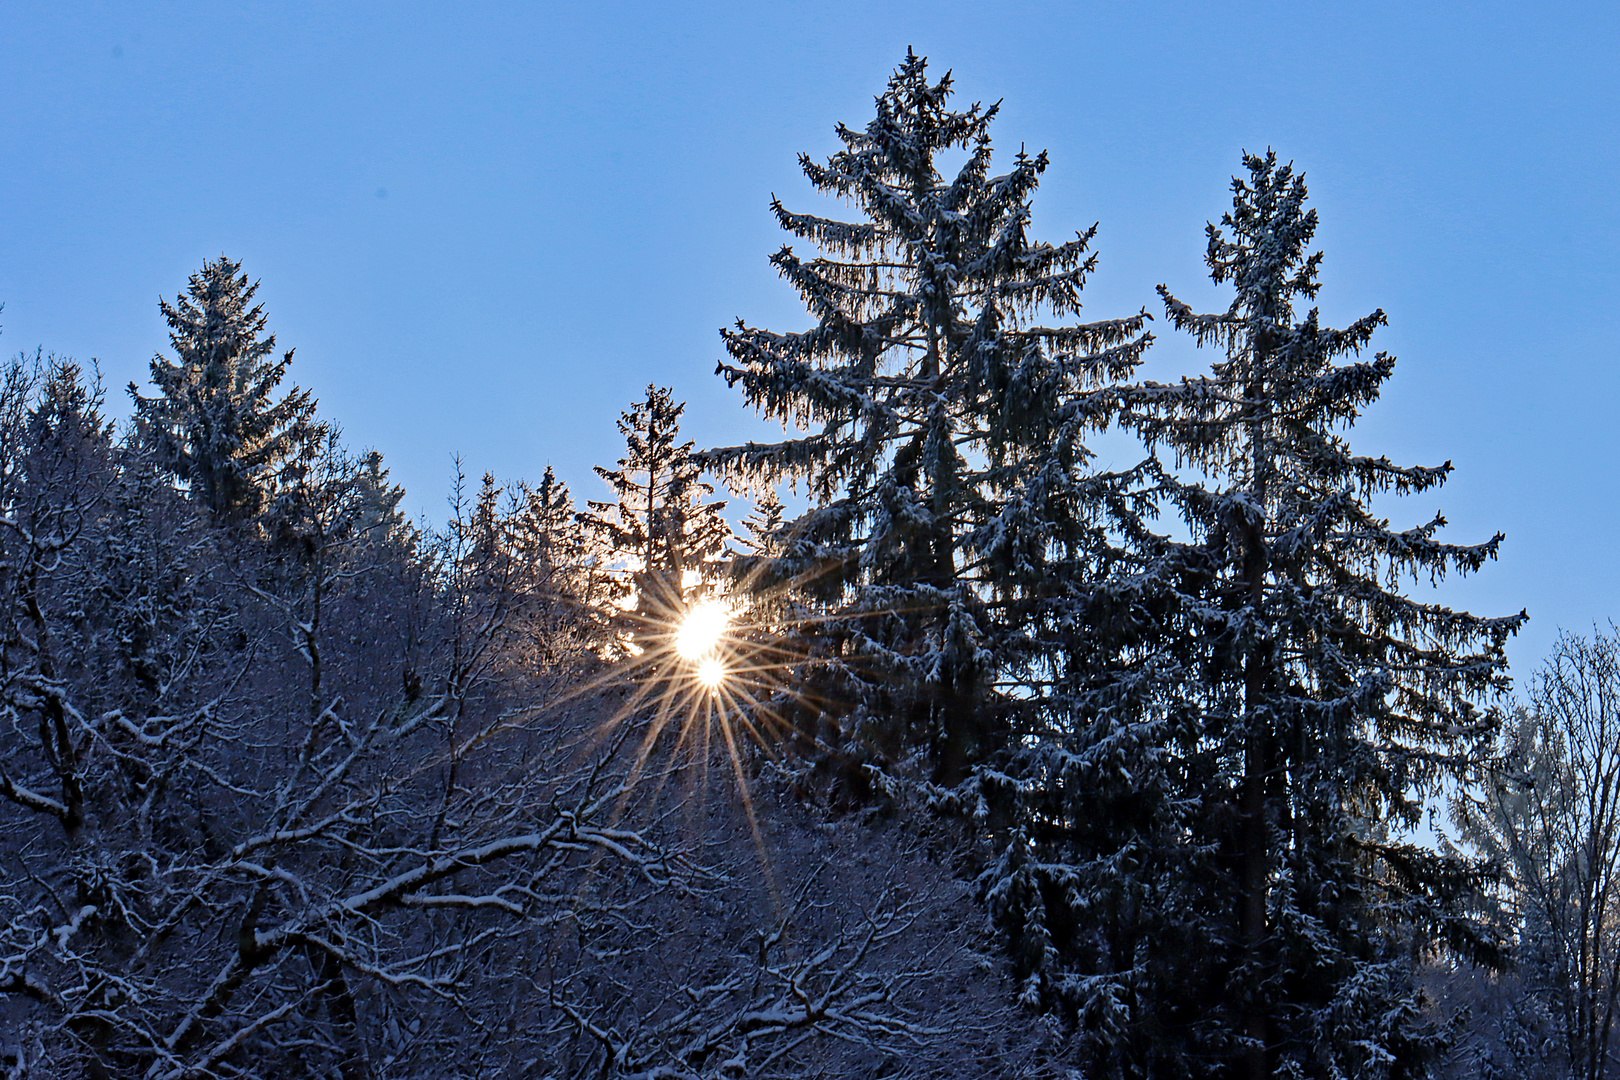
<point>335,798</point>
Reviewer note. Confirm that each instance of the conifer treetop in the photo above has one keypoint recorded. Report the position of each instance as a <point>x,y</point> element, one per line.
<point>215,424</point>
<point>930,301</point>
<point>936,412</point>
<point>1269,425</point>
<point>660,522</point>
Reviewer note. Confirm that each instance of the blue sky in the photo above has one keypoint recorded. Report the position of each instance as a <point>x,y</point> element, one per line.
<point>487,227</point>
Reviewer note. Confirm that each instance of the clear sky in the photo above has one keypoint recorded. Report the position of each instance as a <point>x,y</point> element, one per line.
<point>486,227</point>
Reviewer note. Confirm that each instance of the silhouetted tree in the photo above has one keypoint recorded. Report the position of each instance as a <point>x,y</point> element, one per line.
<point>1329,703</point>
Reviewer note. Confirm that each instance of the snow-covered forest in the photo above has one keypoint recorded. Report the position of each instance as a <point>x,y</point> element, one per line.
<point>914,743</point>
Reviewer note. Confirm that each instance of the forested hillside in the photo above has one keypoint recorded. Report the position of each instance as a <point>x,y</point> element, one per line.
<point>962,755</point>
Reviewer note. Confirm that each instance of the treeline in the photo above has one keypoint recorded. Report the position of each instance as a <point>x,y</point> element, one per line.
<point>300,788</point>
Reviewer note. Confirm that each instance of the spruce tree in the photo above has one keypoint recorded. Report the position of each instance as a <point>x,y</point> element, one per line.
<point>215,424</point>
<point>1101,876</point>
<point>660,527</point>
<point>943,451</point>
<point>548,534</point>
<point>1330,703</point>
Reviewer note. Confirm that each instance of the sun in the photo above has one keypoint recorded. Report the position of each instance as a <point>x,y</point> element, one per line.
<point>702,630</point>
<point>698,640</point>
<point>711,672</point>
<point>703,667</point>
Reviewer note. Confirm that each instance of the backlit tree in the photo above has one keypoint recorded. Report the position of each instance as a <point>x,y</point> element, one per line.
<point>940,427</point>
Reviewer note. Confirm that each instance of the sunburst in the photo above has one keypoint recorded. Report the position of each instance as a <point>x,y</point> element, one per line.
<point>711,672</point>
<point>726,669</point>
<point>702,630</point>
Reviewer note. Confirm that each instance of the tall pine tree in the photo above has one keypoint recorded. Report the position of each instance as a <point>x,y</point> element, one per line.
<point>1331,704</point>
<point>943,451</point>
<point>215,424</point>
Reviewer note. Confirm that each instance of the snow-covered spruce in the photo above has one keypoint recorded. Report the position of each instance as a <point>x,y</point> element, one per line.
<point>1214,880</point>
<point>939,437</point>
<point>215,423</point>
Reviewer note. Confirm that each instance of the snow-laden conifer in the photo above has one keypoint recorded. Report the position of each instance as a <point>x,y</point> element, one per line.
<point>939,429</point>
<point>1328,703</point>
<point>380,516</point>
<point>215,423</point>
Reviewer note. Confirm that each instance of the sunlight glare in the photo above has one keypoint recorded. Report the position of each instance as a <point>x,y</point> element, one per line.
<point>702,629</point>
<point>711,673</point>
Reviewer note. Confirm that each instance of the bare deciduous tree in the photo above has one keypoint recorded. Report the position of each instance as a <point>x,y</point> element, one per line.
<point>1549,814</point>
